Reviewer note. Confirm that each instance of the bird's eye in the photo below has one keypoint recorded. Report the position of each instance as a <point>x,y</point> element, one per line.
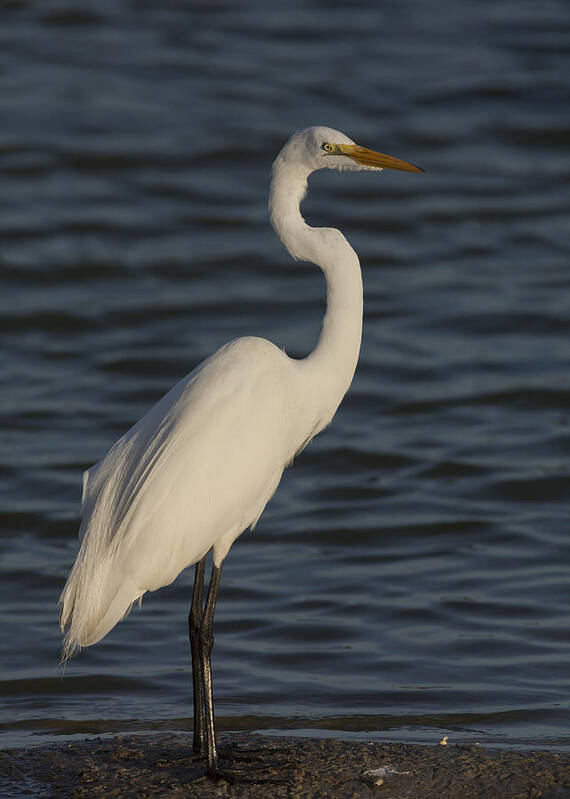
<point>328,148</point>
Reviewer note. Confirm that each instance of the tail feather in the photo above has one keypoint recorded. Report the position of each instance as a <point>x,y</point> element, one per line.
<point>92,603</point>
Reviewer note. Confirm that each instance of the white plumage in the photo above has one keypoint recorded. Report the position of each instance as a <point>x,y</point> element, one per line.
<point>200,466</point>
<point>193,473</point>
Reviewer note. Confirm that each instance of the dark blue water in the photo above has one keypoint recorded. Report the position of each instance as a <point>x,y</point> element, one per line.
<point>410,577</point>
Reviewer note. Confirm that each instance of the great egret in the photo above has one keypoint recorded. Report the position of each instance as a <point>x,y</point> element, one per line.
<point>201,465</point>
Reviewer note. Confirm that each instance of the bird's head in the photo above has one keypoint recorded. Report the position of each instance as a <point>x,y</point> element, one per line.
<point>324,148</point>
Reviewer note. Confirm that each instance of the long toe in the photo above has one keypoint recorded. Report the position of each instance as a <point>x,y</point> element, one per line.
<point>255,765</point>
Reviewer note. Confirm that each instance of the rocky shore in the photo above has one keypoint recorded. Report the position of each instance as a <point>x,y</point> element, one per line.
<point>256,767</point>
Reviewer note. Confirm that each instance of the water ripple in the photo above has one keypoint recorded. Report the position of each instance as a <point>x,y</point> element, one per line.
<point>410,575</point>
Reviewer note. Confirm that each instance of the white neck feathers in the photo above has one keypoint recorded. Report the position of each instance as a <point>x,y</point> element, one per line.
<point>333,362</point>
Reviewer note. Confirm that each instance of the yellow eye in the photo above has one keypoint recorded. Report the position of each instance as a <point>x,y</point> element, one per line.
<point>328,148</point>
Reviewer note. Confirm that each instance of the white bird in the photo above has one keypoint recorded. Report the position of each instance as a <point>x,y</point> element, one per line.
<point>199,468</point>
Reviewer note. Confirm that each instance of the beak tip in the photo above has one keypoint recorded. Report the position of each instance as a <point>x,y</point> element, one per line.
<point>371,158</point>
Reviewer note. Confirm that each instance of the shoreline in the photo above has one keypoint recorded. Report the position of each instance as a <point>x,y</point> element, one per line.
<point>257,767</point>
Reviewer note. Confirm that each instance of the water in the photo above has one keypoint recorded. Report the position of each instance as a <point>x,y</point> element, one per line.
<point>410,576</point>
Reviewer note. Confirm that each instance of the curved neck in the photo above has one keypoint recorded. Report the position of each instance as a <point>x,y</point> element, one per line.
<point>332,363</point>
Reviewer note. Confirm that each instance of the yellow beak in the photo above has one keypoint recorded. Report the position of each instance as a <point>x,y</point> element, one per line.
<point>367,157</point>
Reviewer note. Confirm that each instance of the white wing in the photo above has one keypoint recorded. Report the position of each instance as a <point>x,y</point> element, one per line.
<point>193,473</point>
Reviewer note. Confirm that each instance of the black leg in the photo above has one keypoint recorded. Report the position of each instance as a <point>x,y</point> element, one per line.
<point>201,628</point>
<point>206,644</point>
<point>194,624</point>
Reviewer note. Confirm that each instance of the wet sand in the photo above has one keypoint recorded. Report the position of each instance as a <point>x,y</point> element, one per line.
<point>164,766</point>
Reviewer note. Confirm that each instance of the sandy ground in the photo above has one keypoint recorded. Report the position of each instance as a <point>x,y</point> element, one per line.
<point>262,768</point>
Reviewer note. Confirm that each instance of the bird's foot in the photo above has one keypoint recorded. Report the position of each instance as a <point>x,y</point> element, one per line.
<point>256,766</point>
<point>234,775</point>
